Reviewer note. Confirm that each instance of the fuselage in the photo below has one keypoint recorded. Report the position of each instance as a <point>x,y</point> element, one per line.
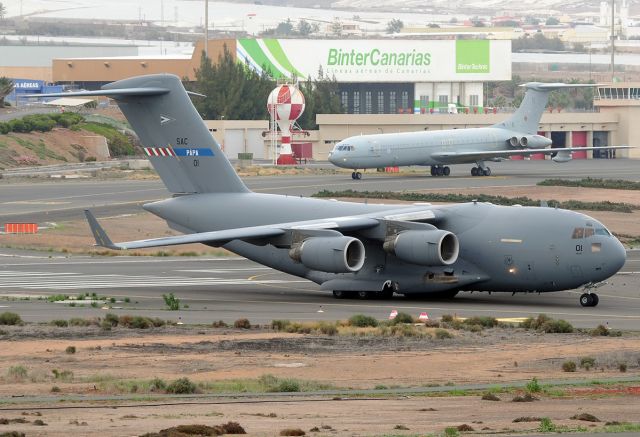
<point>501,248</point>
<point>417,148</point>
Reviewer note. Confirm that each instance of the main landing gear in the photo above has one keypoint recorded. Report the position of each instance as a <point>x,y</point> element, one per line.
<point>356,175</point>
<point>386,293</point>
<point>589,299</point>
<point>477,171</point>
<point>439,170</point>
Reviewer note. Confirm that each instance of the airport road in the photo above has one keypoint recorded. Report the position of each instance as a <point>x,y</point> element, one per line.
<point>59,200</point>
<point>231,288</point>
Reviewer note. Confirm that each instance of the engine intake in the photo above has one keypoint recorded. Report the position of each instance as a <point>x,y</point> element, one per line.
<point>426,248</point>
<point>535,142</point>
<point>330,254</point>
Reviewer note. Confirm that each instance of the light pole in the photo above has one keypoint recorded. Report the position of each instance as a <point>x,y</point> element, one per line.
<point>206,28</point>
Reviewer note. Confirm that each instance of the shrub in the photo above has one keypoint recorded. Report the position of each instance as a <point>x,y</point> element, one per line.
<point>55,389</point>
<point>60,323</point>
<point>587,362</point>
<point>292,432</point>
<point>402,318</point>
<point>8,318</point>
<point>181,386</point>
<point>219,324</point>
<point>546,425</point>
<point>490,397</point>
<point>447,318</point>
<point>599,330</point>
<point>527,397</point>
<point>533,386</point>
<point>442,334</point>
<point>585,417</point>
<point>65,375</point>
<point>485,322</point>
<point>328,328</point>
<point>157,384</point>
<point>77,321</point>
<point>362,321</point>
<point>171,301</point>
<point>232,428</point>
<point>288,386</point>
<point>70,350</point>
<point>451,431</point>
<point>242,324</point>
<point>548,325</point>
<point>112,319</point>
<point>139,322</point>
<point>17,373</point>
<point>622,367</point>
<point>569,366</point>
<point>279,325</point>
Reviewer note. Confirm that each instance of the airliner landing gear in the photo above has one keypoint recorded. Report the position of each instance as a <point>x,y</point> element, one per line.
<point>589,299</point>
<point>438,170</point>
<point>356,175</point>
<point>479,171</point>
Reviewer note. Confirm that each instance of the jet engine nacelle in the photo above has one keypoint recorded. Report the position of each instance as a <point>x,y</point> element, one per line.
<point>562,157</point>
<point>427,248</point>
<point>330,254</point>
<point>535,141</point>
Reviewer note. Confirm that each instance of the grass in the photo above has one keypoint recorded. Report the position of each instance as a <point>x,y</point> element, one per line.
<point>39,149</point>
<point>498,200</point>
<point>613,184</point>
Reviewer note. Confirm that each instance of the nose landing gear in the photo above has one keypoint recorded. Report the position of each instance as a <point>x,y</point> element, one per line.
<point>589,299</point>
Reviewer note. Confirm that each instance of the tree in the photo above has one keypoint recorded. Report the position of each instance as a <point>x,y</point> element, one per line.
<point>233,90</point>
<point>394,26</point>
<point>285,27</point>
<point>552,21</point>
<point>336,28</point>
<point>531,20</point>
<point>3,11</point>
<point>304,28</point>
<point>6,86</point>
<point>321,97</point>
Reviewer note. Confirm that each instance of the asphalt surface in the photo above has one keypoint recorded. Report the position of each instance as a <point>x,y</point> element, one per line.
<point>57,200</point>
<point>230,288</point>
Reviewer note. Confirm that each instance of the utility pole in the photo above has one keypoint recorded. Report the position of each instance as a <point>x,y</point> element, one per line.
<point>206,28</point>
<point>613,39</point>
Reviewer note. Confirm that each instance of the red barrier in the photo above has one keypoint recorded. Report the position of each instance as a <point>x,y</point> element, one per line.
<point>21,228</point>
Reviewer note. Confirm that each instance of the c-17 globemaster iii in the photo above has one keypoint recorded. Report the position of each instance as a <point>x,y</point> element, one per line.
<point>516,136</point>
<point>353,249</point>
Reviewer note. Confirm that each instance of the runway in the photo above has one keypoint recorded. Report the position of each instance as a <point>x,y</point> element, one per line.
<point>59,200</point>
<point>231,288</point>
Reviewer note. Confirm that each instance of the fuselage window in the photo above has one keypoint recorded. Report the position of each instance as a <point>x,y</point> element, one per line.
<point>578,233</point>
<point>588,232</point>
<point>602,231</point>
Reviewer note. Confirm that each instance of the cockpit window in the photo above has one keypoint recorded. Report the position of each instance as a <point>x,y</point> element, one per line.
<point>345,148</point>
<point>579,233</point>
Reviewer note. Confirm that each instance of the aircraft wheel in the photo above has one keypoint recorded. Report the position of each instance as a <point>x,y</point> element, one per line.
<point>439,171</point>
<point>595,298</point>
<point>353,175</point>
<point>586,300</point>
<point>433,171</point>
<point>446,171</point>
<point>340,294</point>
<point>474,171</point>
<point>358,175</point>
<point>364,295</point>
<point>487,172</point>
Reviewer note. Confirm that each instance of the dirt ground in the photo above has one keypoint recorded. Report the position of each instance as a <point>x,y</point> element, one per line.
<point>206,354</point>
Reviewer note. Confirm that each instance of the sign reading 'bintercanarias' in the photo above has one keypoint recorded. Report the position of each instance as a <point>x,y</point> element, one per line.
<point>380,60</point>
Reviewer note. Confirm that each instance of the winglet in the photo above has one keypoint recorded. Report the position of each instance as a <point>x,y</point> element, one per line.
<point>102,239</point>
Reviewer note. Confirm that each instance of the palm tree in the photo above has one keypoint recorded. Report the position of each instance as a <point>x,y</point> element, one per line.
<point>6,86</point>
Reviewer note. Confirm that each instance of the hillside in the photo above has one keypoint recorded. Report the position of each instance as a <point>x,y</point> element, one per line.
<point>51,139</point>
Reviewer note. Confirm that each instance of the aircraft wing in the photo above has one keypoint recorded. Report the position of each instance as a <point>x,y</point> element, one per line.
<point>218,238</point>
<point>453,157</point>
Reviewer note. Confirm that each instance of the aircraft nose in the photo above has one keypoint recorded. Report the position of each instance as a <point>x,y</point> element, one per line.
<point>617,256</point>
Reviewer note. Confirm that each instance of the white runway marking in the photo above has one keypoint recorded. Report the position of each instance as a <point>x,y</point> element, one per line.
<point>75,281</point>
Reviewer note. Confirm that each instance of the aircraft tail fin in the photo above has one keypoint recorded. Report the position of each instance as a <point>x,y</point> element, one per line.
<point>527,117</point>
<point>176,141</point>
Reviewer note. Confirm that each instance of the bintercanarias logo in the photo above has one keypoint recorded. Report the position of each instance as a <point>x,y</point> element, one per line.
<point>375,57</point>
<point>472,56</point>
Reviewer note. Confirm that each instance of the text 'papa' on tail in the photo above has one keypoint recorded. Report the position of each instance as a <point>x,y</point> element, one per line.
<point>175,139</point>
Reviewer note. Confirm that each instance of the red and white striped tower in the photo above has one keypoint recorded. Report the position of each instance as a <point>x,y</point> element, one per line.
<point>286,103</point>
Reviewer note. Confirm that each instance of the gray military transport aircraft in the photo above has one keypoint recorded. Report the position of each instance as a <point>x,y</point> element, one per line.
<point>352,249</point>
<point>516,136</point>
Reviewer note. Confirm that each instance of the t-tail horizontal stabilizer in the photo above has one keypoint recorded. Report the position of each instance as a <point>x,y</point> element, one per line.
<point>527,116</point>
<point>176,140</point>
